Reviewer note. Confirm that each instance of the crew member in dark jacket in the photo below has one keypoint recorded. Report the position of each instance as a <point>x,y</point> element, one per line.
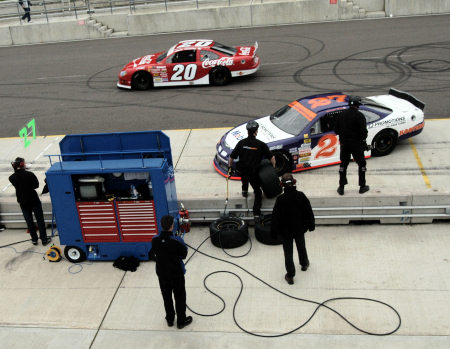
<point>292,216</point>
<point>25,183</point>
<point>250,152</point>
<point>169,251</point>
<point>352,131</point>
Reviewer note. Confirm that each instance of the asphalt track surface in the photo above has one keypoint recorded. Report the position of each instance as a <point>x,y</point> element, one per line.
<point>71,87</point>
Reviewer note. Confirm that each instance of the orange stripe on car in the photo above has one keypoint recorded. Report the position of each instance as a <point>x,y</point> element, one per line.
<point>308,114</point>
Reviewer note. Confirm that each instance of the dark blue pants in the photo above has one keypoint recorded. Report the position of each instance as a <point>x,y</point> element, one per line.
<point>27,14</point>
<point>175,286</point>
<point>256,185</point>
<point>27,211</point>
<point>288,248</point>
<point>356,149</point>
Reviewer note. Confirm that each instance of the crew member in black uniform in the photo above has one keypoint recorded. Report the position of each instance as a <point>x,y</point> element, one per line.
<point>25,183</point>
<point>250,152</point>
<point>292,217</point>
<point>169,251</point>
<point>351,128</point>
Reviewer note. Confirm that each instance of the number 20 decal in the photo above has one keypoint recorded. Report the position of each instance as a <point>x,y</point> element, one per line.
<point>327,146</point>
<point>189,72</point>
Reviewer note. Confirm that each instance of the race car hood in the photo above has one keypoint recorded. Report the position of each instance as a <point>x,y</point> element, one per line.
<point>142,61</point>
<point>267,133</point>
<point>394,103</point>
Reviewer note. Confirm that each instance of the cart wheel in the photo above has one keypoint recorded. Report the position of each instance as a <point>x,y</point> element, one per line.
<point>262,232</point>
<point>53,254</point>
<point>228,232</point>
<point>74,254</point>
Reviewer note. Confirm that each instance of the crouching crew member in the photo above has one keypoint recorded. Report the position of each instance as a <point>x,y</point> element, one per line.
<point>169,251</point>
<point>250,152</point>
<point>25,183</point>
<point>292,216</point>
<point>351,128</point>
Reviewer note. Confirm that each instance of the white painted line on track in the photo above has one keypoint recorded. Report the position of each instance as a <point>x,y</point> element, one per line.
<point>61,77</point>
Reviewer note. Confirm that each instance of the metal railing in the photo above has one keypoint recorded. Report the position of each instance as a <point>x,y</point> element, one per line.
<point>49,9</point>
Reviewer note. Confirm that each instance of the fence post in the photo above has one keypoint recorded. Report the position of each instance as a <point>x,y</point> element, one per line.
<point>75,9</point>
<point>45,9</point>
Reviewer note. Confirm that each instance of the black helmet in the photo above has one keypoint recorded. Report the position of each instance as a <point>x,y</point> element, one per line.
<point>354,101</point>
<point>252,126</point>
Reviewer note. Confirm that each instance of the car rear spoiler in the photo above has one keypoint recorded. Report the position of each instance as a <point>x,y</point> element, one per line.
<point>256,48</point>
<point>406,96</point>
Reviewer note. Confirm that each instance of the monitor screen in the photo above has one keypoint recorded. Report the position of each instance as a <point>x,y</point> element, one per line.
<point>89,191</point>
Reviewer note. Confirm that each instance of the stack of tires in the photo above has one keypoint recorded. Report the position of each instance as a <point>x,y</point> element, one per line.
<point>262,232</point>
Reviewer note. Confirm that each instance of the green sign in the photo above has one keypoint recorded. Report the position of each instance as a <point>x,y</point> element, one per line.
<point>24,133</point>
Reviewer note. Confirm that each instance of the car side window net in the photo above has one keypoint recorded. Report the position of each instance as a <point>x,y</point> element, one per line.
<point>183,56</point>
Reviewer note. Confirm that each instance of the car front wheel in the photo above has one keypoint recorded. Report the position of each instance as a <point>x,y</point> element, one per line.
<point>141,80</point>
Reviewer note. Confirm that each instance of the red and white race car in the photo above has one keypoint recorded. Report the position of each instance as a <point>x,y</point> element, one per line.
<point>190,62</point>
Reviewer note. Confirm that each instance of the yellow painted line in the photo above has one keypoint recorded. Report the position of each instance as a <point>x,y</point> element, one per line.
<point>419,162</point>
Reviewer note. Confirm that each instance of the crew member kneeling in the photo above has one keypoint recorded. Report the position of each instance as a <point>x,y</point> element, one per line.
<point>292,216</point>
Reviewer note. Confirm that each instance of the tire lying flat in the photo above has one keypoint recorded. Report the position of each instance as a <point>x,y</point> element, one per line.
<point>262,232</point>
<point>228,232</point>
<point>270,183</point>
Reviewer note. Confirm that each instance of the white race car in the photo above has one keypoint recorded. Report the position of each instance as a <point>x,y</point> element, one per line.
<point>301,135</point>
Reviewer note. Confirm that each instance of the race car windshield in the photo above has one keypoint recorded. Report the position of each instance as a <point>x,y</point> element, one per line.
<point>289,120</point>
<point>161,57</point>
<point>229,51</point>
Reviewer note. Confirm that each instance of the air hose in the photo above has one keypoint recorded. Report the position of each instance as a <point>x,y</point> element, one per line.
<point>319,305</point>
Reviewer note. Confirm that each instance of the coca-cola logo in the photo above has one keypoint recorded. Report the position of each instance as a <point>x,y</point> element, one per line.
<point>224,61</point>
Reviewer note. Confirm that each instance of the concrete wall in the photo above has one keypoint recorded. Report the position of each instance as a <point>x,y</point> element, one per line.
<point>370,5</point>
<point>51,32</point>
<point>215,18</point>
<point>417,7</point>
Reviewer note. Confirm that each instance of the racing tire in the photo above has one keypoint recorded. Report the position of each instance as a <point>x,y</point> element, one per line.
<point>384,143</point>
<point>262,232</point>
<point>141,80</point>
<point>74,254</point>
<point>228,232</point>
<point>270,183</point>
<point>283,162</point>
<point>219,76</point>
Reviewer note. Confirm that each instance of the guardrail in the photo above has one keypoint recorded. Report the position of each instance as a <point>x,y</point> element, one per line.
<point>56,8</point>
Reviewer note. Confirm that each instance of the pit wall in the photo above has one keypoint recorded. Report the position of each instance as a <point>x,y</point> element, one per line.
<point>267,13</point>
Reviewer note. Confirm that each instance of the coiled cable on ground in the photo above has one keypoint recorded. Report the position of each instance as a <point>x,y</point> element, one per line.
<point>319,304</point>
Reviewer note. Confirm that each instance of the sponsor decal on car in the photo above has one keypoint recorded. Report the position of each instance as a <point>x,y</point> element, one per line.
<point>224,61</point>
<point>412,129</point>
<point>389,122</point>
<point>245,51</point>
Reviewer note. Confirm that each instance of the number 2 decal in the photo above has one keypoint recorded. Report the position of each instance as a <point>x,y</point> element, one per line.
<point>189,72</point>
<point>327,146</point>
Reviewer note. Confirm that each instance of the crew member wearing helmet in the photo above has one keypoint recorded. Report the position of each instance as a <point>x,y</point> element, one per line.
<point>25,183</point>
<point>250,152</point>
<point>351,128</point>
<point>292,217</point>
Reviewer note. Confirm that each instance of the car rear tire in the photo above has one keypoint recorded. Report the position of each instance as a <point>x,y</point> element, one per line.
<point>219,76</point>
<point>384,143</point>
<point>141,80</point>
<point>262,232</point>
<point>283,162</point>
<point>74,254</point>
<point>228,232</point>
<point>270,183</point>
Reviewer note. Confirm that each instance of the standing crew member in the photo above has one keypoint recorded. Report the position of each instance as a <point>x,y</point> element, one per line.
<point>25,183</point>
<point>169,251</point>
<point>250,152</point>
<point>292,216</point>
<point>352,131</point>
